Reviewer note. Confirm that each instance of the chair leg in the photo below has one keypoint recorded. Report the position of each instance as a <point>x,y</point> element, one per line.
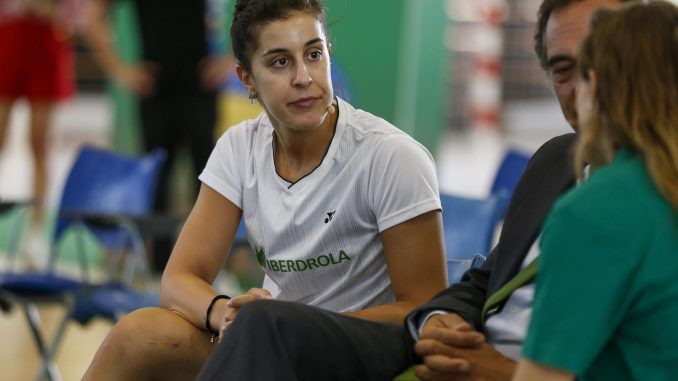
<point>69,304</point>
<point>82,256</point>
<point>15,238</point>
<point>48,369</point>
<point>138,261</point>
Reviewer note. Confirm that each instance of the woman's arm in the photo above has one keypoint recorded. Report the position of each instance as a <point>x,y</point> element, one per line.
<point>99,36</point>
<point>531,371</point>
<point>199,254</point>
<point>415,257</point>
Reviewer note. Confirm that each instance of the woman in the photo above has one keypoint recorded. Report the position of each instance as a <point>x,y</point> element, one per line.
<point>605,305</point>
<point>341,208</point>
<point>36,64</point>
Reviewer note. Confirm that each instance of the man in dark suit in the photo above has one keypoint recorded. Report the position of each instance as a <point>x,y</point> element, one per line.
<point>284,341</point>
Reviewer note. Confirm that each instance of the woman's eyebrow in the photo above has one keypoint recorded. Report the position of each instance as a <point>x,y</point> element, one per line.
<point>283,50</point>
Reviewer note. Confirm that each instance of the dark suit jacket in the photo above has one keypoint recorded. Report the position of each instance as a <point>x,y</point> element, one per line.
<point>548,174</point>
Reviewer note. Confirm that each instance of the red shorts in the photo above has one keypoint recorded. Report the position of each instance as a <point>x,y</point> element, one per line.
<point>36,61</point>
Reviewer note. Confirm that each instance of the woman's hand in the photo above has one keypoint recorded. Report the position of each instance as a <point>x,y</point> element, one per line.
<point>236,303</point>
<point>215,70</point>
<point>139,79</point>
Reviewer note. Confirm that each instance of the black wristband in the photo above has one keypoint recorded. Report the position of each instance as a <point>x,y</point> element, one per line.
<point>209,312</point>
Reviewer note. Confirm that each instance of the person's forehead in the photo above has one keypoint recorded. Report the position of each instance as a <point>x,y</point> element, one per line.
<point>289,32</point>
<point>568,26</point>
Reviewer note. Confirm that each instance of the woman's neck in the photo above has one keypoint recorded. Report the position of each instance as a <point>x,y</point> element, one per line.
<point>296,153</point>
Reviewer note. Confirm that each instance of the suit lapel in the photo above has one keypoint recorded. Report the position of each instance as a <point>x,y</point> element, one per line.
<point>550,176</point>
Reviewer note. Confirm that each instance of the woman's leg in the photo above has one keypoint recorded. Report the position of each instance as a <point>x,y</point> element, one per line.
<point>41,112</point>
<point>5,110</point>
<point>151,344</point>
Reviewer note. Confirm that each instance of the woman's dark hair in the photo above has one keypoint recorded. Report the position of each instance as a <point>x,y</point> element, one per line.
<point>250,15</point>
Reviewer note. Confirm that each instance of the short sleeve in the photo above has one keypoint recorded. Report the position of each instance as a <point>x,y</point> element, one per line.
<point>403,182</point>
<point>225,167</point>
<point>586,269</point>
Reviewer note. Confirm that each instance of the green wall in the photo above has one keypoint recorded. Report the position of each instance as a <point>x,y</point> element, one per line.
<point>365,36</point>
<point>422,102</point>
<point>391,50</point>
<point>126,131</point>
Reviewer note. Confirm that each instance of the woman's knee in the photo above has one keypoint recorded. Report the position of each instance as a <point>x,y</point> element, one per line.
<point>150,328</point>
<point>137,326</point>
<point>153,334</point>
<point>151,342</point>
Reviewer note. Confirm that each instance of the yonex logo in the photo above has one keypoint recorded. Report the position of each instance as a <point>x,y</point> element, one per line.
<point>329,216</point>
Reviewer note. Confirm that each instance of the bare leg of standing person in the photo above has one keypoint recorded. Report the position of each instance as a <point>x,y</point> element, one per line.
<point>40,119</point>
<point>5,112</point>
<point>37,246</point>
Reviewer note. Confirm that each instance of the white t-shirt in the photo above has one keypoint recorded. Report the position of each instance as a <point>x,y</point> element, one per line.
<point>318,239</point>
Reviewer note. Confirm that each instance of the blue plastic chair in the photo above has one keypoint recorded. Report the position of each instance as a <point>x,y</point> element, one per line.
<point>240,234</point>
<point>106,194</point>
<point>469,225</point>
<point>103,194</point>
<point>509,172</point>
<point>340,81</point>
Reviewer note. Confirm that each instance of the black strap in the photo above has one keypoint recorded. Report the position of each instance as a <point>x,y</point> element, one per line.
<point>209,312</point>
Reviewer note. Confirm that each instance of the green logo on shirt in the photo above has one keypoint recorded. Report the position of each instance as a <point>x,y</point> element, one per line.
<point>288,265</point>
<point>261,257</point>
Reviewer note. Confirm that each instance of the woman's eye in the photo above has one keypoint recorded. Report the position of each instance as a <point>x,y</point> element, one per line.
<point>280,62</point>
<point>315,55</point>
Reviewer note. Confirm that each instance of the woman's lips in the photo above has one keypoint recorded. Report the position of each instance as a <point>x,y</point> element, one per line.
<point>305,102</point>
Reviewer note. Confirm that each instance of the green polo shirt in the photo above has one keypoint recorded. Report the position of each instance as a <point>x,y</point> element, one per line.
<point>606,302</point>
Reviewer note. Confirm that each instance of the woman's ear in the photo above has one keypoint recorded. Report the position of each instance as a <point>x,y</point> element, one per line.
<point>246,78</point>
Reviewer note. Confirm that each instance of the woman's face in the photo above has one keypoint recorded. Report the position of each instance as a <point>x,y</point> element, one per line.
<point>291,72</point>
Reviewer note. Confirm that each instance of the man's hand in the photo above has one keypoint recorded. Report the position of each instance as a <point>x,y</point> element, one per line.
<point>235,304</point>
<point>440,337</point>
<point>451,350</point>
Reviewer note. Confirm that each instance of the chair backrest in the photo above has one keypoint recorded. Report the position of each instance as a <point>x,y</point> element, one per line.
<point>457,267</point>
<point>101,181</point>
<point>240,234</point>
<point>340,81</point>
<point>469,223</point>
<point>509,172</point>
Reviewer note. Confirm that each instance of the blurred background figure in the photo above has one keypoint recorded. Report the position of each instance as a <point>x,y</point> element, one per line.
<point>177,79</point>
<point>36,63</point>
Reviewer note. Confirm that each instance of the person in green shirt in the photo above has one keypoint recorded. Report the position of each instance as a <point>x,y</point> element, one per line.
<point>606,302</point>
